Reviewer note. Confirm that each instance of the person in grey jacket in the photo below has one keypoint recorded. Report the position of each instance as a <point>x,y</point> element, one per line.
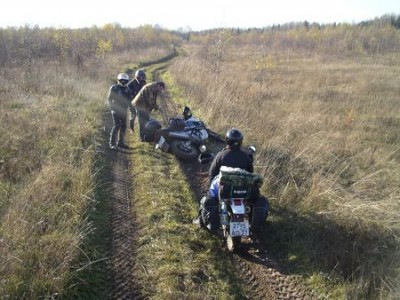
<point>119,101</point>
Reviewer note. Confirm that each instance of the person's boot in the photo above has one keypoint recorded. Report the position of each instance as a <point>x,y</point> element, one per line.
<point>255,237</point>
<point>121,141</point>
<point>113,137</point>
<point>123,145</point>
<point>198,221</point>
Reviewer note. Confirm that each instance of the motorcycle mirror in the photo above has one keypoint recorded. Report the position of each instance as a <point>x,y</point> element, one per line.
<point>252,149</point>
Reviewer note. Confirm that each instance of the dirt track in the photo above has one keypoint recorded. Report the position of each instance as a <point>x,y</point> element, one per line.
<point>262,277</point>
<point>122,239</point>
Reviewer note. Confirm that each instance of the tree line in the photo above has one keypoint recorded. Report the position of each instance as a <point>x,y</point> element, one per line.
<point>24,45</point>
<point>373,37</point>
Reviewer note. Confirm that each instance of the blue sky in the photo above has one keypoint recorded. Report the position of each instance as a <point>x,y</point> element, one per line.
<point>195,15</point>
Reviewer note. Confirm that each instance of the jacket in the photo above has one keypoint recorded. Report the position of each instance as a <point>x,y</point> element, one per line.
<point>135,86</point>
<point>146,98</point>
<point>231,157</point>
<point>118,99</point>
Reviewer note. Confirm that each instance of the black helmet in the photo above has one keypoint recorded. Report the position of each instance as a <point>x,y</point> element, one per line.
<point>234,138</point>
<point>161,84</point>
<point>141,74</point>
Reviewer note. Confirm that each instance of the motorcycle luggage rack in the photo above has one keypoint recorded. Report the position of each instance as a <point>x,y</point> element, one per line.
<point>234,191</point>
<point>238,183</point>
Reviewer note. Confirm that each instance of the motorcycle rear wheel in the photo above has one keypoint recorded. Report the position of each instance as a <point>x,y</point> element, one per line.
<point>233,243</point>
<point>185,153</point>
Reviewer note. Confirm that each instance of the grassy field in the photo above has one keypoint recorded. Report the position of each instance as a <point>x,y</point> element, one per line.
<point>327,133</point>
<point>322,109</point>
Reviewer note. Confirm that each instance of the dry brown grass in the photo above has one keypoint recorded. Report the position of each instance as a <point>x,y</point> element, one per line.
<point>48,129</point>
<point>50,116</point>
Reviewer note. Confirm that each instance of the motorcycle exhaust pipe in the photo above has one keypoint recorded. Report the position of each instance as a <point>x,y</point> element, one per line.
<point>178,135</point>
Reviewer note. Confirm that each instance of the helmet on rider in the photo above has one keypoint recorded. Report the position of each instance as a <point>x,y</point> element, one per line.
<point>123,78</point>
<point>234,138</point>
<point>140,74</point>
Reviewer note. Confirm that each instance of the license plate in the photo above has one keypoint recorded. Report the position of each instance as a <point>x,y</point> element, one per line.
<point>239,228</point>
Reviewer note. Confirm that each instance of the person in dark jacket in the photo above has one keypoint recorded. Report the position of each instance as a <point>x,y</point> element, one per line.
<point>119,101</point>
<point>145,102</point>
<point>231,156</point>
<point>235,157</point>
<point>134,86</point>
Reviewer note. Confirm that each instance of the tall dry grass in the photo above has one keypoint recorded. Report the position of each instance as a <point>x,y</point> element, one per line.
<point>326,127</point>
<point>51,114</point>
<point>48,125</point>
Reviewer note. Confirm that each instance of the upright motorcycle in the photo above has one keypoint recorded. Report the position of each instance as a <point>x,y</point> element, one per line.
<point>236,187</point>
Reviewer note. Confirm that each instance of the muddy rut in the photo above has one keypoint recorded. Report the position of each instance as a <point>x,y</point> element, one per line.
<point>122,239</point>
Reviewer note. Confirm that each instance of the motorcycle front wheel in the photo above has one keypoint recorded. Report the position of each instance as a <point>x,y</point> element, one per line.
<point>183,150</point>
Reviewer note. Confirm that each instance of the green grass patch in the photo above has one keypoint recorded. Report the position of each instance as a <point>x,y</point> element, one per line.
<point>176,259</point>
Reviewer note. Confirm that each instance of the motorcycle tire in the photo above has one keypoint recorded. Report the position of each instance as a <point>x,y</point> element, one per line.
<point>233,243</point>
<point>184,153</point>
<point>151,127</point>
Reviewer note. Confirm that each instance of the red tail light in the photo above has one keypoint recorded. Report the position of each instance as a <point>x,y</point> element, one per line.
<point>237,202</point>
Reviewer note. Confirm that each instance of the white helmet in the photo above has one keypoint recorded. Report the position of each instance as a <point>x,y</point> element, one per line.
<point>122,76</point>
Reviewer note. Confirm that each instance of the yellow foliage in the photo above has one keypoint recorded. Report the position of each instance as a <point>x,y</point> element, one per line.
<point>103,47</point>
<point>61,40</point>
<point>266,63</point>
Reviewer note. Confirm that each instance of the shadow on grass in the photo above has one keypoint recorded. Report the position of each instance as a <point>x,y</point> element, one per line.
<point>312,243</point>
<point>90,278</point>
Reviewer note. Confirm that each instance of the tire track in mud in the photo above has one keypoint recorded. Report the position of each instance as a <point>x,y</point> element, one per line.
<point>122,241</point>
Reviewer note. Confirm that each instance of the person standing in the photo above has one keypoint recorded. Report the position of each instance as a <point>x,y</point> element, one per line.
<point>145,102</point>
<point>134,86</point>
<point>119,101</point>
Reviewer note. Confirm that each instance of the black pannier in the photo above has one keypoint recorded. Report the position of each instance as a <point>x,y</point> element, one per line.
<point>152,126</point>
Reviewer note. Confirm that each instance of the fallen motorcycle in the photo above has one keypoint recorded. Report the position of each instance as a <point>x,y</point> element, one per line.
<point>186,138</point>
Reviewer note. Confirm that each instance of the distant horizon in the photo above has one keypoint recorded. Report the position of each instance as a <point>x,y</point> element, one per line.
<point>178,15</point>
<point>187,28</point>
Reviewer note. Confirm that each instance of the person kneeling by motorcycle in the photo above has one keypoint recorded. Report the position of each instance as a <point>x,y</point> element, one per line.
<point>235,157</point>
